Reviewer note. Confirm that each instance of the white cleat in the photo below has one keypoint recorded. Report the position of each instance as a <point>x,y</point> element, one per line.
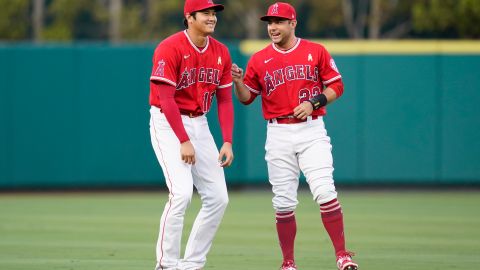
<point>288,265</point>
<point>345,262</point>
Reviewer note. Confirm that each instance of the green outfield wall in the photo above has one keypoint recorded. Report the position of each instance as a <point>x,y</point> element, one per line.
<point>76,116</point>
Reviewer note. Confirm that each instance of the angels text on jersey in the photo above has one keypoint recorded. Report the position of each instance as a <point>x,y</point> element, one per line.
<point>204,75</point>
<point>289,73</point>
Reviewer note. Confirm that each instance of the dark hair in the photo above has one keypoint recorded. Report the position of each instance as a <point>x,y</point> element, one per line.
<point>185,22</point>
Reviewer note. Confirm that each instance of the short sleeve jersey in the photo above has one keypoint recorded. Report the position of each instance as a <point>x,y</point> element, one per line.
<point>196,73</point>
<point>285,79</point>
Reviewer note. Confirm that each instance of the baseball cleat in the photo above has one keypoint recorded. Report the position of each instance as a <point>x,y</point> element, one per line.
<point>288,265</point>
<point>345,262</point>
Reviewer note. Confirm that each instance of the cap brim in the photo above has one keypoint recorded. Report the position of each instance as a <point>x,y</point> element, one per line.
<point>219,7</point>
<point>266,17</point>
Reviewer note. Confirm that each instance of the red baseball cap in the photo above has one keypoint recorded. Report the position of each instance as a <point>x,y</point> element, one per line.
<point>197,5</point>
<point>280,10</point>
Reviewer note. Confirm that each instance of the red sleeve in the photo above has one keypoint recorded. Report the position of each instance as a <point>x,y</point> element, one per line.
<point>226,79</point>
<point>327,67</point>
<point>170,109</point>
<point>225,112</point>
<point>251,79</point>
<point>165,61</point>
<point>337,86</point>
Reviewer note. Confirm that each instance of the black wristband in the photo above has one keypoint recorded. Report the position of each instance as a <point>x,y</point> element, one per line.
<point>318,101</point>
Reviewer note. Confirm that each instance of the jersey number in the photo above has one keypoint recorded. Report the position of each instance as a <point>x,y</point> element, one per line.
<point>305,94</point>
<point>207,101</point>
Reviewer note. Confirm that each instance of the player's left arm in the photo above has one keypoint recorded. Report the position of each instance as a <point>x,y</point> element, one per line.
<point>331,78</point>
<point>225,118</point>
<point>332,92</point>
<point>225,115</point>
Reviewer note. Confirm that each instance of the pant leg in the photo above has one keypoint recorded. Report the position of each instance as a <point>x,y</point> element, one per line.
<point>209,180</point>
<point>316,161</point>
<point>282,164</point>
<point>178,178</point>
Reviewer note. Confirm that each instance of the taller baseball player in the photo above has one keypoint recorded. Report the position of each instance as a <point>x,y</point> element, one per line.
<point>189,69</point>
<point>296,79</point>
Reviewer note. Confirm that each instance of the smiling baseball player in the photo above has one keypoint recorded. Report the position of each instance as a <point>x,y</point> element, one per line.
<point>296,78</point>
<point>189,69</point>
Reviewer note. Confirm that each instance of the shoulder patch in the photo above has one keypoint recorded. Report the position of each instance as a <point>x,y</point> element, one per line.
<point>160,71</point>
<point>333,65</point>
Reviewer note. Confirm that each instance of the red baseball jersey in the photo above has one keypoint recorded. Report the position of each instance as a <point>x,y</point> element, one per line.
<point>287,78</point>
<point>195,72</point>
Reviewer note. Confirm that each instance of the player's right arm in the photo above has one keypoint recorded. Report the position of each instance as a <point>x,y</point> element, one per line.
<point>241,91</point>
<point>165,94</point>
<point>162,87</point>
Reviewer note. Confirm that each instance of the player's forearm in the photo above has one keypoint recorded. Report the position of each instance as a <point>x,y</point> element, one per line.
<point>335,90</point>
<point>241,92</point>
<point>225,113</point>
<point>170,110</point>
<point>330,94</point>
<point>327,96</point>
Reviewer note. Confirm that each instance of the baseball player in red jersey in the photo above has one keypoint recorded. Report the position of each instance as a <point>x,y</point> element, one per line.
<point>296,78</point>
<point>189,69</point>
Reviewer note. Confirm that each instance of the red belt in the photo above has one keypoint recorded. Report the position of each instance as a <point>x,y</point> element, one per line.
<point>191,114</point>
<point>188,113</point>
<point>290,120</point>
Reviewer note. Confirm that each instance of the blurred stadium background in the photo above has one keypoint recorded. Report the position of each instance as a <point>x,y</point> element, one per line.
<point>74,116</point>
<point>74,90</point>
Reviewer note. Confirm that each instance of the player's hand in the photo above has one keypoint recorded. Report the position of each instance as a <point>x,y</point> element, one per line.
<point>303,110</point>
<point>237,73</point>
<point>226,155</point>
<point>187,152</point>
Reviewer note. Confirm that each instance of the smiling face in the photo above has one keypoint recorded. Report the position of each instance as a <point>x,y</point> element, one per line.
<point>281,31</point>
<point>204,21</point>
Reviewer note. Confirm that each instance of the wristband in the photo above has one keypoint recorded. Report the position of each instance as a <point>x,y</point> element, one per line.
<point>318,101</point>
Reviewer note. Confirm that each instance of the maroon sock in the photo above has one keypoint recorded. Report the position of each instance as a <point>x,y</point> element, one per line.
<point>332,218</point>
<point>286,229</point>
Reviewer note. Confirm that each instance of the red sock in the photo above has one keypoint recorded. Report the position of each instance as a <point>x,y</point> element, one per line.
<point>286,229</point>
<point>332,218</point>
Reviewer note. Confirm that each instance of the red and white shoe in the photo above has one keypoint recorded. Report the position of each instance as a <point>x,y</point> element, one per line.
<point>345,262</point>
<point>288,265</point>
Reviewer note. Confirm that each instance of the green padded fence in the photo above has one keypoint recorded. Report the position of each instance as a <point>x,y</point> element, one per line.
<point>77,116</point>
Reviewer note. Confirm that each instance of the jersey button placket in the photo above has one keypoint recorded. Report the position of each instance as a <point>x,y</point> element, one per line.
<point>288,83</point>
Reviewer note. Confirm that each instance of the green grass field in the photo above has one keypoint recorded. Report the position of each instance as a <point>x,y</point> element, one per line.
<point>117,231</point>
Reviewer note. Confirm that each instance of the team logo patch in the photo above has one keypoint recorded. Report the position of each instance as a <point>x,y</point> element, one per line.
<point>310,58</point>
<point>274,9</point>
<point>269,85</point>
<point>219,61</point>
<point>332,65</point>
<point>160,71</point>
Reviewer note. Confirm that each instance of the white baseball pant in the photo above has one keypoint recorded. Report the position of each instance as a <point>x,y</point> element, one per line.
<point>293,147</point>
<point>206,175</point>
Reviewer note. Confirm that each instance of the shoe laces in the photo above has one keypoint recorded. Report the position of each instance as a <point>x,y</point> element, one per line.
<point>342,254</point>
<point>345,256</point>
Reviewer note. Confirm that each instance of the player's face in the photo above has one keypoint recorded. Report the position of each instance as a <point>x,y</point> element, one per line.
<point>204,21</point>
<point>281,31</point>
